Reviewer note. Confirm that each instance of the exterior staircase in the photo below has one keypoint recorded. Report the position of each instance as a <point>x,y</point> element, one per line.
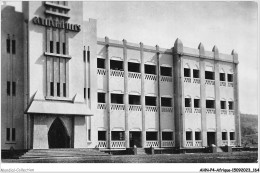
<point>141,151</point>
<point>62,152</point>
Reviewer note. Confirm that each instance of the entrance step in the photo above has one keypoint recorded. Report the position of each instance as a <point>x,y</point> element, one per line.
<point>219,150</point>
<point>49,153</point>
<point>141,151</point>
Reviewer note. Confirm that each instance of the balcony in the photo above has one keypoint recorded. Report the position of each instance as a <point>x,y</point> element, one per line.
<point>117,73</point>
<point>189,143</point>
<point>230,84</point>
<point>101,106</point>
<point>167,109</point>
<point>231,112</point>
<point>134,75</point>
<point>166,79</point>
<point>187,79</point>
<point>222,83</point>
<point>224,142</point>
<point>209,82</point>
<point>223,112</point>
<point>168,144</point>
<point>117,107</point>
<point>196,80</point>
<point>102,144</point>
<point>135,108</point>
<point>197,110</point>
<point>188,110</point>
<point>101,71</point>
<point>210,111</point>
<point>149,144</point>
<point>117,144</point>
<point>151,108</point>
<point>150,77</point>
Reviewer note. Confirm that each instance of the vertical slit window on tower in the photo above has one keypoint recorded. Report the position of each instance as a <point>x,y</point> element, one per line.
<point>150,101</point>
<point>51,46</point>
<point>89,134</point>
<point>14,88</point>
<point>88,93</point>
<point>101,97</point>
<point>223,104</point>
<point>8,88</point>
<point>166,71</point>
<point>84,55</point>
<point>165,101</point>
<point>13,134</point>
<point>196,103</point>
<point>85,93</point>
<point>187,102</point>
<point>64,89</point>
<point>230,77</point>
<point>88,55</point>
<point>58,89</point>
<point>150,69</point>
<point>187,72</point>
<point>8,44</point>
<point>13,47</point>
<point>64,48</point>
<point>101,63</point>
<point>196,73</point>
<point>8,134</point>
<point>222,77</point>
<point>58,47</point>
<point>52,89</point>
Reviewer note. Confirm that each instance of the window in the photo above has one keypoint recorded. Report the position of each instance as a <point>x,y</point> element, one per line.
<point>13,47</point>
<point>196,73</point>
<point>222,77</point>
<point>52,89</point>
<point>64,89</point>
<point>101,63</point>
<point>64,48</point>
<point>150,69</point>
<point>14,88</point>
<point>51,46</point>
<point>101,98</point>
<point>223,104</point>
<point>84,55</point>
<point>88,55</point>
<point>150,101</point>
<point>230,105</point>
<point>89,134</point>
<point>186,72</point>
<point>102,135</point>
<point>232,135</point>
<point>230,77</point>
<point>196,103</point>
<point>167,102</point>
<point>58,89</point>
<point>133,67</point>
<point>210,103</point>
<point>85,93</point>
<point>167,136</point>
<point>187,102</point>
<point>166,71</point>
<point>224,135</point>
<point>197,135</point>
<point>118,135</point>
<point>13,134</point>
<point>209,75</point>
<point>151,136</point>
<point>8,88</point>
<point>188,135</point>
<point>116,65</point>
<point>8,134</point>
<point>88,93</point>
<point>117,98</point>
<point>8,45</point>
<point>58,47</point>
<point>134,100</point>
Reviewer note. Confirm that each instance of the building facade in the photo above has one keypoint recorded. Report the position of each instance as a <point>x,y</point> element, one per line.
<point>63,87</point>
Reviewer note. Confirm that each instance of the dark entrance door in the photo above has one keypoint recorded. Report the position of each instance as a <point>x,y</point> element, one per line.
<point>211,138</point>
<point>135,139</point>
<point>58,136</point>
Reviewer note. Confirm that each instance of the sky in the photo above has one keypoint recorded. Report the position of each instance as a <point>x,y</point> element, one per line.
<point>228,25</point>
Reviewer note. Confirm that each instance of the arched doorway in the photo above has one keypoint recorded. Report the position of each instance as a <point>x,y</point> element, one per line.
<point>58,136</point>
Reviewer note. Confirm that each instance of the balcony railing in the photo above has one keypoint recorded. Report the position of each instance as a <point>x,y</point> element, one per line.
<point>135,108</point>
<point>210,111</point>
<point>188,110</point>
<point>149,144</point>
<point>102,144</point>
<point>223,111</point>
<point>230,84</point>
<point>187,79</point>
<point>117,73</point>
<point>151,108</point>
<point>189,143</point>
<point>167,109</point>
<point>134,75</point>
<point>168,143</point>
<point>224,142</point>
<point>117,107</point>
<point>117,144</point>
<point>209,82</point>
<point>232,142</point>
<point>197,110</point>
<point>198,143</point>
<point>196,80</point>
<point>222,83</point>
<point>166,79</point>
<point>101,106</point>
<point>101,71</point>
<point>150,77</point>
<point>231,112</point>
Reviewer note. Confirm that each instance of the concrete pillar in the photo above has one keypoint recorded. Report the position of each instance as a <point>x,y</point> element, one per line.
<point>159,96</point>
<point>217,97</point>
<point>203,97</point>
<point>126,100</point>
<point>108,92</point>
<point>142,95</point>
<point>80,132</point>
